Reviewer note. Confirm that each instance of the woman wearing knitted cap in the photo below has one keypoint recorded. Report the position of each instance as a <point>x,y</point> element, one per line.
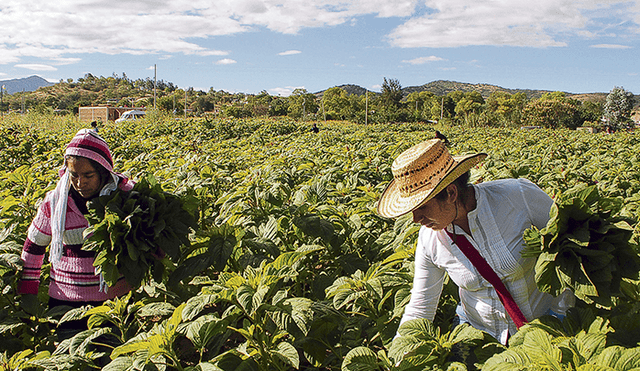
<point>474,234</point>
<point>87,173</point>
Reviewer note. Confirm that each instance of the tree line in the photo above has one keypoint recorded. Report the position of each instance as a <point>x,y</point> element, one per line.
<point>500,108</point>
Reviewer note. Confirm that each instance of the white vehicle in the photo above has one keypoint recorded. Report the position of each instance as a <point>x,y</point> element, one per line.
<point>131,115</point>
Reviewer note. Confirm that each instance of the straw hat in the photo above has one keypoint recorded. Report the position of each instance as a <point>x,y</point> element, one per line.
<point>420,173</point>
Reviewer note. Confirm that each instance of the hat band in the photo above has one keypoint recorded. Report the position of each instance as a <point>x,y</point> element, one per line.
<point>421,182</point>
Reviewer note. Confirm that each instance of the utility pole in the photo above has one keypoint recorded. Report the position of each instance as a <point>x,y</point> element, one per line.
<point>324,114</point>
<point>155,83</point>
<point>22,102</point>
<point>366,107</point>
<point>442,108</point>
<point>185,104</point>
<point>2,101</point>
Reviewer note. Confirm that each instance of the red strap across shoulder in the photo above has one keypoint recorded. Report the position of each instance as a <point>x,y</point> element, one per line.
<point>488,274</point>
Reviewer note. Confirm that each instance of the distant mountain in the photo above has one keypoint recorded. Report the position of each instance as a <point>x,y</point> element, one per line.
<point>350,89</point>
<point>31,83</point>
<point>443,87</point>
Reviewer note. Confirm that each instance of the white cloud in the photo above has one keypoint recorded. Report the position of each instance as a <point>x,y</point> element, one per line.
<point>610,46</point>
<point>542,23</point>
<point>290,52</point>
<point>36,67</point>
<point>423,60</point>
<point>56,29</point>
<point>66,61</point>
<point>284,92</point>
<point>290,16</point>
<point>226,61</point>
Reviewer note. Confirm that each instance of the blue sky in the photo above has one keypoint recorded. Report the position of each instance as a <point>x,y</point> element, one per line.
<point>280,45</point>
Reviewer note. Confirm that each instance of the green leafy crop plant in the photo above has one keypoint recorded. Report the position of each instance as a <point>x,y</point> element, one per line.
<point>287,265</point>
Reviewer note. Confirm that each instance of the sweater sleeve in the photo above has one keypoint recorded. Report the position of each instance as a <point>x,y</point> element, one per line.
<point>38,238</point>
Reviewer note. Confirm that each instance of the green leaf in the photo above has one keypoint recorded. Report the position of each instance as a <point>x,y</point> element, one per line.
<point>130,347</point>
<point>120,364</point>
<point>360,359</point>
<point>288,354</point>
<point>315,226</point>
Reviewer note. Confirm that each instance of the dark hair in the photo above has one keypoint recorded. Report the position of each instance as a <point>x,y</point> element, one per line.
<point>462,183</point>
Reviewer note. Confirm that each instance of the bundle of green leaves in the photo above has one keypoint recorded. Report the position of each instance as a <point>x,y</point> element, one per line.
<point>132,232</point>
<point>584,247</point>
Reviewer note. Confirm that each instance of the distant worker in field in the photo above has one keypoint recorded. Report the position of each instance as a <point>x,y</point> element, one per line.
<point>87,172</point>
<point>94,126</point>
<point>442,137</point>
<point>473,233</point>
<point>314,128</point>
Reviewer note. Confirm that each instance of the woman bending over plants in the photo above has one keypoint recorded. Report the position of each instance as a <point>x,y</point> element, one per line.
<point>60,222</point>
<point>475,234</point>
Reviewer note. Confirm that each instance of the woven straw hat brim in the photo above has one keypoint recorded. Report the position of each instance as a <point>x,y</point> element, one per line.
<point>392,204</point>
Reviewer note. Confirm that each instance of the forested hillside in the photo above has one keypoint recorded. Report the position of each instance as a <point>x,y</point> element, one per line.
<point>449,101</point>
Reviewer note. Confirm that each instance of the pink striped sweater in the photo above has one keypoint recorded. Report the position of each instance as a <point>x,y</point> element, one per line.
<point>73,278</point>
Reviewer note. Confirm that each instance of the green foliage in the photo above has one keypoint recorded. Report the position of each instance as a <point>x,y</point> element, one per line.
<point>552,113</point>
<point>584,247</point>
<point>25,360</point>
<point>157,346</point>
<point>617,108</point>
<point>548,344</point>
<point>391,93</point>
<point>132,231</point>
<point>302,103</point>
<point>420,345</point>
<point>289,266</point>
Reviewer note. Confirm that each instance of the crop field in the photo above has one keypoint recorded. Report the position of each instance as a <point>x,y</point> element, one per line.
<point>286,264</point>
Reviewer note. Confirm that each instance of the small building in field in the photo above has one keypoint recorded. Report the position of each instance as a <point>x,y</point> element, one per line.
<point>587,129</point>
<point>103,113</point>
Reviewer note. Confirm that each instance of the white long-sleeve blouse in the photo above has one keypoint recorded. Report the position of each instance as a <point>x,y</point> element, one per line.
<point>505,209</point>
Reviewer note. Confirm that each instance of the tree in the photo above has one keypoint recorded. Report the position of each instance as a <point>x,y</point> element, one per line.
<point>302,103</point>
<point>471,102</point>
<point>591,112</point>
<point>443,107</point>
<point>391,93</point>
<point>421,103</point>
<point>617,108</point>
<point>552,114</point>
<point>203,104</point>
<point>336,104</point>
<point>279,107</point>
<point>505,109</point>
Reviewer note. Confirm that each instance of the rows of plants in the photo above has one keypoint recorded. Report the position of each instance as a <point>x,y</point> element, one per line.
<point>287,265</point>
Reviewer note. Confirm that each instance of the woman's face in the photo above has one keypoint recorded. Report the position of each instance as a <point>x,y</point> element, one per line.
<point>85,178</point>
<point>436,214</point>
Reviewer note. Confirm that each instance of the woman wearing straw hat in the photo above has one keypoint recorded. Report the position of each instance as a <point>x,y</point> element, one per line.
<point>474,234</point>
<point>87,173</point>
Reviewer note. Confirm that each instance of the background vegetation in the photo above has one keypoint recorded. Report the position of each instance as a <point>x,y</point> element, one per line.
<point>446,102</point>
